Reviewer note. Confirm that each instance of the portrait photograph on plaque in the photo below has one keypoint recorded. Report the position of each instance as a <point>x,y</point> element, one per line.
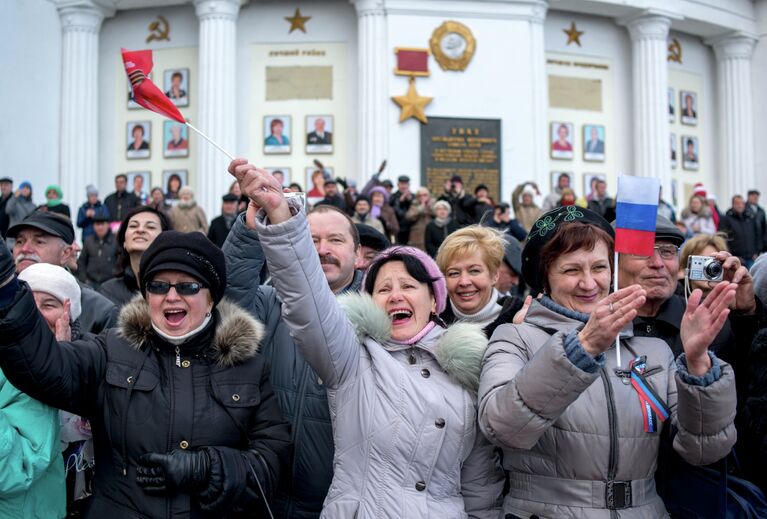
<point>282,174</point>
<point>138,137</point>
<point>561,140</point>
<point>319,134</point>
<point>277,134</point>
<point>688,107</point>
<point>593,143</point>
<point>555,179</point>
<point>176,85</point>
<point>690,155</point>
<point>671,105</point>
<point>141,187</point>
<point>589,183</point>
<point>175,139</point>
<point>172,181</point>
<point>672,145</point>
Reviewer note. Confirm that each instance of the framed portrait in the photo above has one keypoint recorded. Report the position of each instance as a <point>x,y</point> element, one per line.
<point>690,152</point>
<point>314,177</point>
<point>175,139</point>
<point>688,107</point>
<point>589,183</point>
<point>593,143</point>
<point>277,130</point>
<point>139,183</point>
<point>319,134</point>
<point>561,135</point>
<point>172,181</point>
<point>672,144</point>
<point>671,105</point>
<point>281,173</point>
<point>176,85</point>
<point>555,178</point>
<point>138,138</point>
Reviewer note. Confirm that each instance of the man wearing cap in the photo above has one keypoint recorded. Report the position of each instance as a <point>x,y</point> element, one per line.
<point>371,243</point>
<point>760,219</point>
<point>6,192</point>
<point>510,270</point>
<point>401,200</point>
<point>49,238</point>
<point>219,227</point>
<point>19,206</point>
<point>461,204</point>
<point>96,262</point>
<point>301,393</point>
<point>120,202</point>
<point>90,210</point>
<point>739,223</point>
<point>332,197</point>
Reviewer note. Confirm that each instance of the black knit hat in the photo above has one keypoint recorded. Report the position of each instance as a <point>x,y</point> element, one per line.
<point>544,230</point>
<point>189,252</point>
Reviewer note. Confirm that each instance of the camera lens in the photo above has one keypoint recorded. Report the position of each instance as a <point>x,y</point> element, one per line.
<point>713,269</point>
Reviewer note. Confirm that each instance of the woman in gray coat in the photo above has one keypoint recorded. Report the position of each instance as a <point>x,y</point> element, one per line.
<point>580,434</point>
<point>401,387</point>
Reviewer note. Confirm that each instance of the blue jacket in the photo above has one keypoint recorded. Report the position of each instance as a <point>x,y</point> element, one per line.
<point>86,223</point>
<point>300,392</point>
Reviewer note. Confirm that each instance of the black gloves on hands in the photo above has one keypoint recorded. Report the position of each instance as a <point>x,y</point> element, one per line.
<point>179,470</point>
<point>7,265</point>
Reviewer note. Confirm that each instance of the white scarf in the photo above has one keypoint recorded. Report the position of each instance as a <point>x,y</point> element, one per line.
<point>485,315</point>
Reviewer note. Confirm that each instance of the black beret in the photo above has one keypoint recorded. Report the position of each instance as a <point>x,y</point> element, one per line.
<point>370,237</point>
<point>189,252</point>
<point>403,178</point>
<point>230,198</point>
<point>512,254</point>
<point>50,223</point>
<point>544,230</point>
<point>481,186</point>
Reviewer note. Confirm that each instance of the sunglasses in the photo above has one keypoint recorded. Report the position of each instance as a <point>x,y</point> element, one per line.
<point>185,288</point>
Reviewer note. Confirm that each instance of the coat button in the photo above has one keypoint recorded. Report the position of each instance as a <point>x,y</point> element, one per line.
<point>236,397</point>
<point>185,363</point>
<point>184,444</point>
<point>425,373</point>
<point>439,423</point>
<point>129,380</point>
<point>420,486</point>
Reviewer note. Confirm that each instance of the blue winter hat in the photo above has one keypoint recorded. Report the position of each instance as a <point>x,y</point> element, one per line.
<point>25,184</point>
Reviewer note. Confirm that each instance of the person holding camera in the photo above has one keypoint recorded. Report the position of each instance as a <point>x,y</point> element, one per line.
<point>461,204</point>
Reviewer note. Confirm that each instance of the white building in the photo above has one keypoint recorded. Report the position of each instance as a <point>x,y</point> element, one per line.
<point>65,107</point>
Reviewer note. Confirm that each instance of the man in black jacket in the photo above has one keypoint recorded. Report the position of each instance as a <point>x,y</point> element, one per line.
<point>97,260</point>
<point>6,192</point>
<point>120,202</point>
<point>332,197</point>
<point>219,227</point>
<point>49,238</point>
<point>461,203</point>
<point>760,219</point>
<point>740,226</point>
<point>401,200</point>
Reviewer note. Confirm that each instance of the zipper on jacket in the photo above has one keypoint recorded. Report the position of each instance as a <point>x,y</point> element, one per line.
<point>612,420</point>
<point>171,416</point>
<point>297,420</point>
<point>178,357</point>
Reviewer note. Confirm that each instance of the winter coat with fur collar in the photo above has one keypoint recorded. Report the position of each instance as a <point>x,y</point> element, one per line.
<point>142,396</point>
<point>407,444</point>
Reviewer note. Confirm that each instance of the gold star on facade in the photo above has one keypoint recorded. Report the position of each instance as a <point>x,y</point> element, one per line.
<point>297,21</point>
<point>573,34</point>
<point>412,104</point>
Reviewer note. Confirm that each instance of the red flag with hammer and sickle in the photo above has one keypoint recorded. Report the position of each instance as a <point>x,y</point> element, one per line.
<point>138,65</point>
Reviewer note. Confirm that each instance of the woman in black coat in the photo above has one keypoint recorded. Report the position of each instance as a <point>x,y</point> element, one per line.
<point>184,420</point>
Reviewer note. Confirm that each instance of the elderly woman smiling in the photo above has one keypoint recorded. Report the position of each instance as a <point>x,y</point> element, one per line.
<point>579,435</point>
<point>400,385</point>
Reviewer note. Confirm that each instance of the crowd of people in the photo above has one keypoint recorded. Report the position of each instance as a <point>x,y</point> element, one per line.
<point>375,353</point>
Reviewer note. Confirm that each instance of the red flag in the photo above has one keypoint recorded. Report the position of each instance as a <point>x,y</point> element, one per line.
<point>138,65</point>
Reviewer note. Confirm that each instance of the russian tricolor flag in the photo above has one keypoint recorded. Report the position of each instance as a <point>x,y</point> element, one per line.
<point>636,210</point>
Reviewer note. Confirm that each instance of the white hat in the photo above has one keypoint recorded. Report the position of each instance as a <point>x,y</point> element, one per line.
<point>56,281</point>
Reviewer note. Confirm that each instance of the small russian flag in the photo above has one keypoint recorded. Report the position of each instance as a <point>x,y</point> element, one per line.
<point>636,210</point>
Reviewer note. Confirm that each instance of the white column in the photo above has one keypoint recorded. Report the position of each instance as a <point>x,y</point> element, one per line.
<point>649,51</point>
<point>79,133</point>
<point>737,172</point>
<point>539,96</point>
<point>216,109</point>
<point>373,142</point>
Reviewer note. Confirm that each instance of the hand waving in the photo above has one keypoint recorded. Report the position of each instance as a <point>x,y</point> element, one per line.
<point>701,323</point>
<point>262,188</point>
<point>611,315</point>
<point>63,330</point>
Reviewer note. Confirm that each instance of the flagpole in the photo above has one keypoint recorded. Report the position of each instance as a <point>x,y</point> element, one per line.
<point>214,143</point>
<point>615,285</point>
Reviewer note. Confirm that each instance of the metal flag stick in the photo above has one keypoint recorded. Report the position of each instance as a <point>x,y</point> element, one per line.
<point>615,285</point>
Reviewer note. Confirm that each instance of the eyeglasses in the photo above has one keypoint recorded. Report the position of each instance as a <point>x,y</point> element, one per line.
<point>665,251</point>
<point>185,288</point>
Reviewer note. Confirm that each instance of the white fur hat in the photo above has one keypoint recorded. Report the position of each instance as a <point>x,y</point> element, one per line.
<point>56,281</point>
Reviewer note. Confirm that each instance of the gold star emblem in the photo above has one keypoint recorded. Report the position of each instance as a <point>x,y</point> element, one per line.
<point>297,21</point>
<point>573,34</point>
<point>412,104</point>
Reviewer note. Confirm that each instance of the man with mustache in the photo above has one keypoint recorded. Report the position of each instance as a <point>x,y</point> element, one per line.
<point>50,238</point>
<point>301,394</point>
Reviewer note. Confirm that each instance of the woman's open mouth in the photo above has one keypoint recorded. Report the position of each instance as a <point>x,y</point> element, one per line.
<point>175,317</point>
<point>400,316</point>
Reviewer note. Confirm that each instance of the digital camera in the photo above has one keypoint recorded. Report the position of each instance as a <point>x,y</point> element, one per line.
<point>704,268</point>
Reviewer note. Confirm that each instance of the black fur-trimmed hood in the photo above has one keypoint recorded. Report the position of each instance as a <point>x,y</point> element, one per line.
<point>237,337</point>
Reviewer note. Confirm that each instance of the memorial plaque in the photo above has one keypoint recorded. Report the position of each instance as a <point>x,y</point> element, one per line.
<point>466,147</point>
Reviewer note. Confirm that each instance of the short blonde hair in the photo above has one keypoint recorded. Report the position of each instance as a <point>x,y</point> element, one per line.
<point>469,240</point>
<point>695,245</point>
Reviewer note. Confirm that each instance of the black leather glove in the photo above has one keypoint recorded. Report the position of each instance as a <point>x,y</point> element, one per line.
<point>167,473</point>
<point>7,265</point>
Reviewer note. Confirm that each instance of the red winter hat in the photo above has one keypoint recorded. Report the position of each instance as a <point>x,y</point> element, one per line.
<point>699,190</point>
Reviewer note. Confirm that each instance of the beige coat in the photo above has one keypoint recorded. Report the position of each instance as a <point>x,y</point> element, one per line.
<point>565,431</point>
<point>419,216</point>
<point>526,215</point>
<point>189,218</point>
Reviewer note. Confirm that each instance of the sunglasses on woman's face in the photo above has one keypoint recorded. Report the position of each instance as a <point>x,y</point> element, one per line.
<point>185,288</point>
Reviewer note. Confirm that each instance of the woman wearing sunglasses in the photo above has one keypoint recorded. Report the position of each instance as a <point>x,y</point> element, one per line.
<point>183,417</point>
